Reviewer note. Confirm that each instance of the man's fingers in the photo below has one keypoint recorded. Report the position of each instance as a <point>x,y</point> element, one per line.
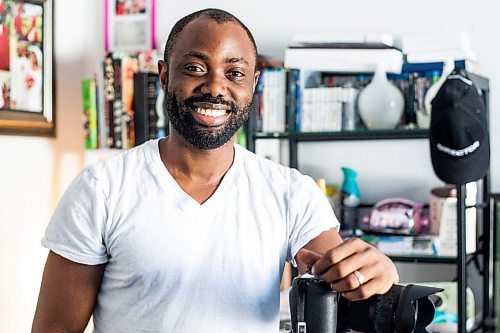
<point>307,257</point>
<point>368,289</point>
<point>334,256</point>
<point>353,268</point>
<point>351,281</point>
<point>345,267</point>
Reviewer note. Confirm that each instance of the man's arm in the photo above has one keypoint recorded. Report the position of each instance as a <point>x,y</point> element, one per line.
<point>67,295</point>
<point>336,261</point>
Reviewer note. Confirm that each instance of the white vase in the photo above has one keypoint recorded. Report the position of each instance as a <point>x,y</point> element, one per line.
<point>380,103</point>
<point>424,116</point>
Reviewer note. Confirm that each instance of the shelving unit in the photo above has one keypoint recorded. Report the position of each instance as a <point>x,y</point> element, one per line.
<point>424,259</point>
<point>295,137</point>
<point>480,281</point>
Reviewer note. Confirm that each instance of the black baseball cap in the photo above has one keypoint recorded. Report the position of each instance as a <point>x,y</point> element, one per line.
<point>458,133</point>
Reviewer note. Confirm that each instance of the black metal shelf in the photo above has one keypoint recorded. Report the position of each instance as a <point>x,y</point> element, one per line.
<point>271,135</point>
<point>424,259</point>
<point>362,135</point>
<point>485,289</point>
<point>386,134</point>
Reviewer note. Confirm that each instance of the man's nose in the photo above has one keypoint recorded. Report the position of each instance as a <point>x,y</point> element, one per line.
<point>214,84</point>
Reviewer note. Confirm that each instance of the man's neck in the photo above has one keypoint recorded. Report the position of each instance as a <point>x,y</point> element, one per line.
<point>187,163</point>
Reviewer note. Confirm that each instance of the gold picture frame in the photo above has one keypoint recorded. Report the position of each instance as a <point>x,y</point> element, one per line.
<point>27,96</point>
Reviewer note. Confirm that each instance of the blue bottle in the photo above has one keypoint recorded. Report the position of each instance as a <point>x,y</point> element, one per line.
<point>350,199</point>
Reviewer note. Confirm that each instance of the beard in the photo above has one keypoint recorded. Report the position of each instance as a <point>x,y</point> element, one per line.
<point>204,137</point>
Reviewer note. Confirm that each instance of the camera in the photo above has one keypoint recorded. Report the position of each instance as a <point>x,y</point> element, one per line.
<point>315,308</point>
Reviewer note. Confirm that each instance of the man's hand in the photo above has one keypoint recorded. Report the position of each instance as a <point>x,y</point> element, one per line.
<point>353,268</point>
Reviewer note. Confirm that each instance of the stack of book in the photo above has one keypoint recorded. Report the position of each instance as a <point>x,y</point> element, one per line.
<point>276,97</point>
<point>123,104</point>
<point>271,92</point>
<point>333,69</point>
<point>327,109</point>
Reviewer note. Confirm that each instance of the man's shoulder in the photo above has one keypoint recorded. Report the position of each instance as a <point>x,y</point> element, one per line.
<point>123,164</point>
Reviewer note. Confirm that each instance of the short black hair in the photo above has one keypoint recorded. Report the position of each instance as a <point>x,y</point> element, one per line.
<point>218,15</point>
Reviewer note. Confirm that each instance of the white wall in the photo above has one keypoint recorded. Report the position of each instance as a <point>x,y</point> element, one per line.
<point>35,171</point>
<point>391,162</point>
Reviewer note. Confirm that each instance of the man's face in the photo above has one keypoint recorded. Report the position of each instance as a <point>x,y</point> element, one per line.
<point>209,82</point>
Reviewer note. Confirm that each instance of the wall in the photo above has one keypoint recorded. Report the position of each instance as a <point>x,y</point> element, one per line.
<point>35,171</point>
<point>285,18</point>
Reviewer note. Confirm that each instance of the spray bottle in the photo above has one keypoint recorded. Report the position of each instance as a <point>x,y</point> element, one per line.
<point>349,201</point>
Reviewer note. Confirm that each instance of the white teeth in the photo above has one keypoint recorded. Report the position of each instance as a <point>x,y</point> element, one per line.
<point>211,112</point>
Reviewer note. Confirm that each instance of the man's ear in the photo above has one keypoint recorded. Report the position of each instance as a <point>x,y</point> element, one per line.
<point>163,72</point>
<point>255,79</point>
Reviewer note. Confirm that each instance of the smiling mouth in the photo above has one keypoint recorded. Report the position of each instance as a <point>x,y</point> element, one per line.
<point>211,112</point>
<point>211,115</point>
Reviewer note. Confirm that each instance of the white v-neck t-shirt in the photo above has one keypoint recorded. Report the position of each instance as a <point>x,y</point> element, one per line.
<point>173,265</point>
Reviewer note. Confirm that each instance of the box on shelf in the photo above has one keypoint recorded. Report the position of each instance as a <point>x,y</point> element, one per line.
<point>438,47</point>
<point>344,60</point>
<point>437,41</point>
<point>436,56</point>
<point>346,40</point>
<point>443,216</point>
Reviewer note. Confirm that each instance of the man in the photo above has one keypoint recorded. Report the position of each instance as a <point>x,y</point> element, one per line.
<point>190,233</point>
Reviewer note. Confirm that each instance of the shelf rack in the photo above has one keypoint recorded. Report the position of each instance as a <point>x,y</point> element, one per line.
<point>485,220</point>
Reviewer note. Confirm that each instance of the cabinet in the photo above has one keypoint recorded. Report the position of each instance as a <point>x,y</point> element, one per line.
<point>474,270</point>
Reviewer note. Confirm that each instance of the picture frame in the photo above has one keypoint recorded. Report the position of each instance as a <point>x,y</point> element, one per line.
<point>27,89</point>
<point>130,25</point>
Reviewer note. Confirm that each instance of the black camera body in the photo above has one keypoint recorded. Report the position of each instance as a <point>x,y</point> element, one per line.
<point>315,308</point>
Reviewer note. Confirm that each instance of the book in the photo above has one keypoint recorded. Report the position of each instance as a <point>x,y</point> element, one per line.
<point>145,115</point>
<point>271,100</point>
<point>241,137</point>
<point>109,98</point>
<point>89,103</point>
<point>298,101</point>
<point>118,124</point>
<point>162,123</point>
<point>129,66</point>
<point>257,106</point>
<point>343,60</point>
<point>102,117</point>
<point>292,96</point>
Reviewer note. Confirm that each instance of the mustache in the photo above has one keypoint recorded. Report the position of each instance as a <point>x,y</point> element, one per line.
<point>207,98</point>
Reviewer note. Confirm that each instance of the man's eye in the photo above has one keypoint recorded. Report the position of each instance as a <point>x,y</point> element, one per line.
<point>193,68</point>
<point>236,74</point>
